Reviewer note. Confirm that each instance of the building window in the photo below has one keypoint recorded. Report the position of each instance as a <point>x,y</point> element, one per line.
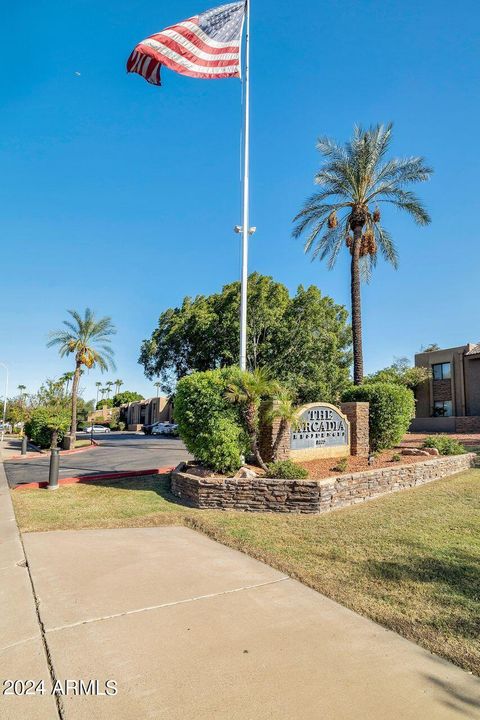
<point>441,371</point>
<point>442,408</point>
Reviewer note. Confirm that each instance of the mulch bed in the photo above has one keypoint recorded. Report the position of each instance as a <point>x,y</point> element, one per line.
<point>320,469</point>
<point>470,440</point>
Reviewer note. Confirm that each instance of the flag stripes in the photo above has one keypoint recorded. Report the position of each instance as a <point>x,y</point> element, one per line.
<point>205,46</point>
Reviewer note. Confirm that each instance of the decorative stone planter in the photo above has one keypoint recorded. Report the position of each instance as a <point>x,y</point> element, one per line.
<point>309,496</point>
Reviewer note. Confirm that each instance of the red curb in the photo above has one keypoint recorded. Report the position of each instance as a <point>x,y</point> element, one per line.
<point>62,453</point>
<point>101,476</point>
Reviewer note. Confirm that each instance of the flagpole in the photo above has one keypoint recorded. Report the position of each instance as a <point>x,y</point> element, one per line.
<point>246,198</point>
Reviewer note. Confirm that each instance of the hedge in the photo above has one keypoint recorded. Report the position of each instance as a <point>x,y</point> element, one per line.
<point>392,408</point>
<point>209,425</point>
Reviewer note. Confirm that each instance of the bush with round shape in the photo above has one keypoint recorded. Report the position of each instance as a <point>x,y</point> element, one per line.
<point>209,425</point>
<point>286,470</point>
<point>445,445</point>
<point>392,408</point>
<point>47,425</point>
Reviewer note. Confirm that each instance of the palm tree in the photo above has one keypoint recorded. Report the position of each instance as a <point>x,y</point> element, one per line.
<point>287,413</point>
<point>98,385</point>
<point>158,385</point>
<point>109,385</point>
<point>355,180</point>
<point>23,394</point>
<point>88,339</point>
<point>118,384</point>
<point>248,392</point>
<point>66,379</point>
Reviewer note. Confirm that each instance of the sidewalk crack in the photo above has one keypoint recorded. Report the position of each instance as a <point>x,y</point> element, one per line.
<point>148,608</point>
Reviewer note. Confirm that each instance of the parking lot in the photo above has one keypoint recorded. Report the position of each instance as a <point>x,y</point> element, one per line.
<point>117,452</point>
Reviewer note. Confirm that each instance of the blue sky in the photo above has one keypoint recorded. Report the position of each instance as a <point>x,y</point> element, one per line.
<point>122,196</point>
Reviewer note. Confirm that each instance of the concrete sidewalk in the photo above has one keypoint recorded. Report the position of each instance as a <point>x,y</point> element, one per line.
<point>12,449</point>
<point>191,629</point>
<point>22,652</point>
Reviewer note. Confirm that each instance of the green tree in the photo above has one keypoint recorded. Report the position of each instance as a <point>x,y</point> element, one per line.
<point>304,340</point>
<point>104,402</point>
<point>88,340</point>
<point>118,384</point>
<point>355,179</point>
<point>127,396</point>
<point>401,373</point>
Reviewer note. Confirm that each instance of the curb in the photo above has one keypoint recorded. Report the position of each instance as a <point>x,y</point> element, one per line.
<point>44,453</point>
<point>93,478</point>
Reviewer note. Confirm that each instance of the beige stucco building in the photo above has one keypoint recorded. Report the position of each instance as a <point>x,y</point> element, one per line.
<point>146,412</point>
<point>450,400</point>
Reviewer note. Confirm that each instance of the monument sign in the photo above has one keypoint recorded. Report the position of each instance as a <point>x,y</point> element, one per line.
<point>322,431</point>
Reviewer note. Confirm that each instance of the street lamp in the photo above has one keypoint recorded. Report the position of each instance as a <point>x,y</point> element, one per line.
<point>4,403</point>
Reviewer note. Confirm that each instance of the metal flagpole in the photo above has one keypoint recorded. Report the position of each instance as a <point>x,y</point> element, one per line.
<point>246,198</point>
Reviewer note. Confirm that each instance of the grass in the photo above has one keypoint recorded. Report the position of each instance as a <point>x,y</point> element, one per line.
<point>410,560</point>
<point>82,443</point>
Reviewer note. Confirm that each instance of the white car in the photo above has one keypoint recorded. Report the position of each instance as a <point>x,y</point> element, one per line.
<point>97,429</point>
<point>164,428</point>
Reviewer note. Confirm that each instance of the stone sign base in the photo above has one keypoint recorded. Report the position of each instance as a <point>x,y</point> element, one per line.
<point>354,417</point>
<point>320,453</point>
<point>310,496</point>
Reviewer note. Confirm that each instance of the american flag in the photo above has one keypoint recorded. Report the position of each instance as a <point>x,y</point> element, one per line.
<point>204,46</point>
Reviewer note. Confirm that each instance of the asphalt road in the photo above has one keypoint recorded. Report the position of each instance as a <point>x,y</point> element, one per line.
<point>117,452</point>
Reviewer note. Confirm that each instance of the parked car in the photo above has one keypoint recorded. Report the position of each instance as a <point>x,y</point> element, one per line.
<point>97,429</point>
<point>160,428</point>
<point>5,428</point>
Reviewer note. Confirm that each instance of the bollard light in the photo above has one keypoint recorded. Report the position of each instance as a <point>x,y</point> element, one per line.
<point>53,471</point>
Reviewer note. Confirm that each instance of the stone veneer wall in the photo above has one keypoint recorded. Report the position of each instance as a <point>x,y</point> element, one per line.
<point>268,435</point>
<point>310,496</point>
<point>467,424</point>
<point>358,415</point>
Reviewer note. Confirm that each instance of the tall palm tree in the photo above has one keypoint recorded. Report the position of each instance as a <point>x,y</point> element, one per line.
<point>66,379</point>
<point>158,385</point>
<point>98,385</point>
<point>118,384</point>
<point>355,179</point>
<point>23,394</point>
<point>109,385</point>
<point>88,339</point>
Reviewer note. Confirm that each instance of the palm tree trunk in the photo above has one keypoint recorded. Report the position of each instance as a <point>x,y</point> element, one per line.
<point>73,428</point>
<point>356,308</point>
<point>250,416</point>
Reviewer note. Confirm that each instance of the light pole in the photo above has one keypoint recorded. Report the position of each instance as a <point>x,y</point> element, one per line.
<point>4,402</point>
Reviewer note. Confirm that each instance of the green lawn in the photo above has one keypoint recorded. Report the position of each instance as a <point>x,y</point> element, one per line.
<point>410,561</point>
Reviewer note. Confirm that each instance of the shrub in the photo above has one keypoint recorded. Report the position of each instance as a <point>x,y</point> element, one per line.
<point>392,407</point>
<point>209,425</point>
<point>396,457</point>
<point>445,445</point>
<point>44,422</point>
<point>341,466</point>
<point>286,470</point>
